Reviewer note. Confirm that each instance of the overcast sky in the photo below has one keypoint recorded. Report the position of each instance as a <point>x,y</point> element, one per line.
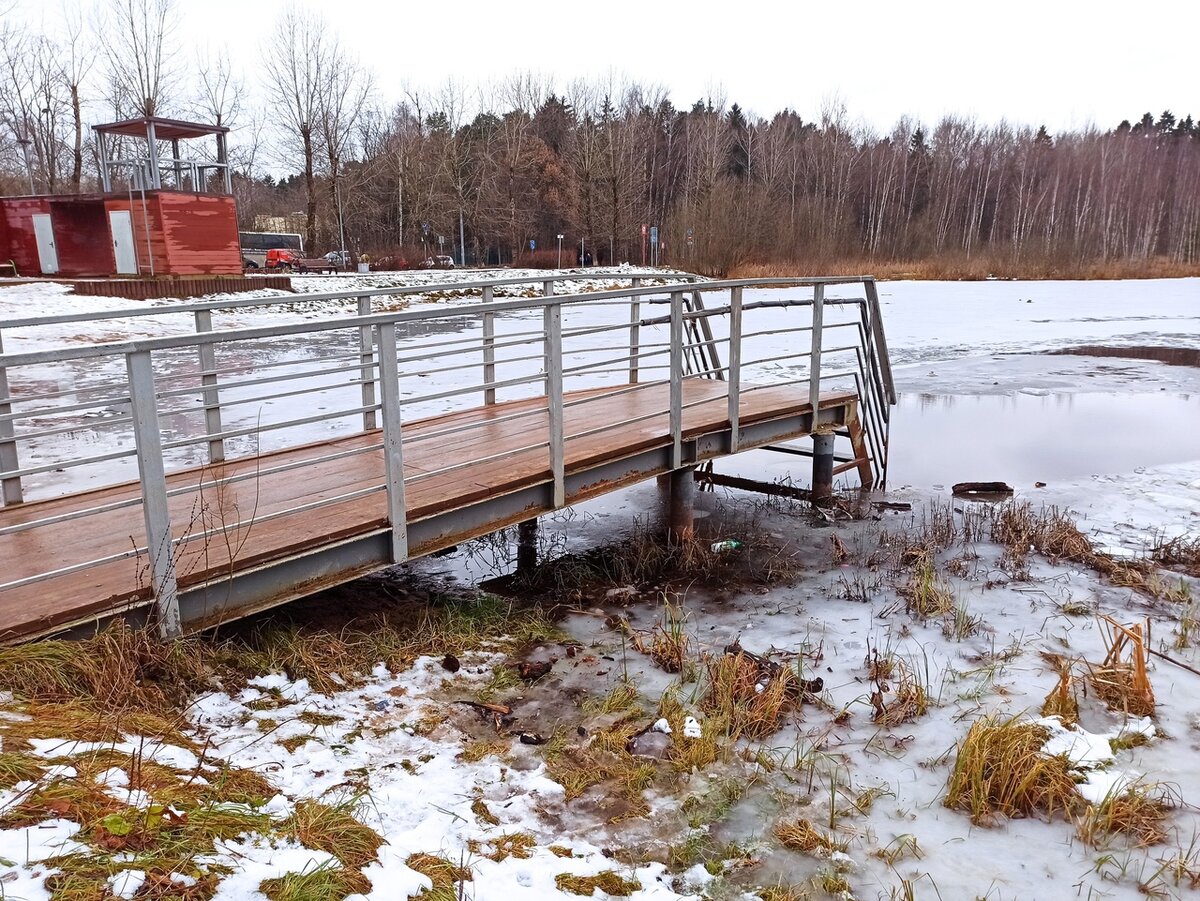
<point>1059,62</point>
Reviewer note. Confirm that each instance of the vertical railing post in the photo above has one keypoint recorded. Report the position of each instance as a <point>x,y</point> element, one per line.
<point>10,488</point>
<point>814,361</point>
<point>489,349</point>
<point>735,366</point>
<point>554,400</point>
<point>366,356</point>
<point>635,331</point>
<point>152,475</point>
<point>676,379</point>
<point>393,451</point>
<point>210,393</point>
<point>880,340</point>
<point>547,291</point>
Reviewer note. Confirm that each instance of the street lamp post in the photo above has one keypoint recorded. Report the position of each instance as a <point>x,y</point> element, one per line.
<point>560,240</point>
<point>25,142</point>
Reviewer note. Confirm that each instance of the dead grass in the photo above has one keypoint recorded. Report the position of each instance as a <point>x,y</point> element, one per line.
<point>334,829</point>
<point>1000,770</point>
<point>926,595</point>
<point>908,702</point>
<point>1061,701</point>
<point>443,872</point>
<point>512,844</point>
<point>608,882</point>
<point>1181,553</point>
<point>1053,534</point>
<point>124,669</point>
<point>801,835</point>
<point>1135,813</point>
<point>1121,680</point>
<point>324,883</point>
<point>750,704</point>
<point>667,642</point>
<point>646,561</point>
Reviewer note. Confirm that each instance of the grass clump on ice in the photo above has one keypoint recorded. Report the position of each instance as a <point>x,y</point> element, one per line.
<point>802,835</point>
<point>1001,770</point>
<point>1137,813</point>
<point>609,882</point>
<point>1121,679</point>
<point>748,703</point>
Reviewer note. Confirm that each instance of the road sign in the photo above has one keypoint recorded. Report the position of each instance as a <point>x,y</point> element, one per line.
<point>532,244</point>
<point>691,237</point>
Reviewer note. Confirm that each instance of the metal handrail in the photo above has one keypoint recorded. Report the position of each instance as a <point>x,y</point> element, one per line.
<point>378,368</point>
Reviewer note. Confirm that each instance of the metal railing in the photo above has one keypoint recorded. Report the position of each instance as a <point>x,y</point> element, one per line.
<point>182,401</point>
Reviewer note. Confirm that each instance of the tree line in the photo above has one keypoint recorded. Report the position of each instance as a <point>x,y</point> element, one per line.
<point>510,166</point>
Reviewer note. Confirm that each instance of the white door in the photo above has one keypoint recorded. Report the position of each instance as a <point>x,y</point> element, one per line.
<point>121,225</point>
<point>43,231</point>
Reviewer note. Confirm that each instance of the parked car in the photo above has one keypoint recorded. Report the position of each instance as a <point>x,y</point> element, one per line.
<point>248,263</point>
<point>282,258</point>
<point>441,261</point>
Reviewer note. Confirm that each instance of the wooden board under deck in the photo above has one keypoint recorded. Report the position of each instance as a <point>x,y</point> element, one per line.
<point>472,438</point>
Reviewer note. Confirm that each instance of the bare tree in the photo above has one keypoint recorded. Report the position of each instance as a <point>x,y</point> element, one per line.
<point>141,49</point>
<point>295,58</point>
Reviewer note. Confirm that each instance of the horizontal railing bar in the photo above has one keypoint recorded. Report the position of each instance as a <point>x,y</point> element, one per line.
<point>260,398</point>
<point>79,427</point>
<point>473,389</point>
<point>65,464</point>
<point>74,568</point>
<point>273,470</point>
<point>266,427</point>
<point>66,392</point>
<point>92,351</point>
<point>457,429</point>
<point>67,517</point>
<point>266,380</point>
<point>285,300</point>
<point>628,389</point>
<point>56,411</point>
<point>472,365</point>
<point>665,411</point>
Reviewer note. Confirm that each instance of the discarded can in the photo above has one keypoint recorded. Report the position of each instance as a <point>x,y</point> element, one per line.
<point>726,544</point>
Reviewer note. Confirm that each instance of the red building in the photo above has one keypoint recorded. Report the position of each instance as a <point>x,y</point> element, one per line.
<point>138,226</point>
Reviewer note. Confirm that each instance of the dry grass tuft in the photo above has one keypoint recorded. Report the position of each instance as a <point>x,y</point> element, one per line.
<point>910,700</point>
<point>443,872</point>
<point>1180,553</point>
<point>750,704</point>
<point>512,844</point>
<point>804,836</point>
<point>1137,813</point>
<point>323,883</point>
<point>334,829</point>
<point>1061,701</point>
<point>1123,684</point>
<point>609,882</point>
<point>926,595</point>
<point>667,643</point>
<point>1001,770</point>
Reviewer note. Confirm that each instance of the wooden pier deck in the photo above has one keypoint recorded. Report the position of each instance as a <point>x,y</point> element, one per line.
<point>548,400</point>
<point>204,565</point>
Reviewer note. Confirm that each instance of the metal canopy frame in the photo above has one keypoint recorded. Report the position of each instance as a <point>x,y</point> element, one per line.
<point>146,171</point>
